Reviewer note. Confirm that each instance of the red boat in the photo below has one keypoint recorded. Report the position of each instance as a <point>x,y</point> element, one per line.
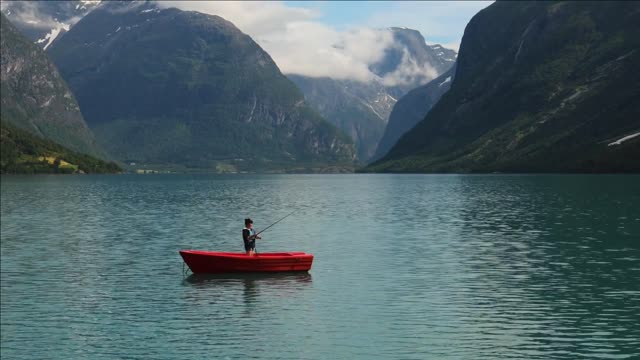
<point>211,262</point>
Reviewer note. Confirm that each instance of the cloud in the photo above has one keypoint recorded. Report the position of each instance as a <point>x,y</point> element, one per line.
<point>409,72</point>
<point>313,49</point>
<point>298,43</point>
<point>252,17</point>
<point>28,12</point>
<point>53,16</point>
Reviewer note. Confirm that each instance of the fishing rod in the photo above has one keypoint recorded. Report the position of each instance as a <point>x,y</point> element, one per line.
<point>265,229</point>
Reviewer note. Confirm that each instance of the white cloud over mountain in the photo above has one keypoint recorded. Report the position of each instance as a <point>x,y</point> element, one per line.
<point>410,72</point>
<point>30,13</point>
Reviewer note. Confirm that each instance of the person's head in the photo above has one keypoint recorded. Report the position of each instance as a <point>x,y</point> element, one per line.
<point>248,222</point>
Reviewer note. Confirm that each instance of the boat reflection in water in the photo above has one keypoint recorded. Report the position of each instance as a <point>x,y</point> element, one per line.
<point>268,278</point>
<point>225,287</point>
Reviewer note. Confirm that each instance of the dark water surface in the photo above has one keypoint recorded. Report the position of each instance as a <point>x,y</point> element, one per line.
<point>406,267</point>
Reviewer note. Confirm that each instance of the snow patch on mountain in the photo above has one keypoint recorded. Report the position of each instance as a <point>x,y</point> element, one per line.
<point>621,140</point>
<point>448,79</point>
<point>52,35</point>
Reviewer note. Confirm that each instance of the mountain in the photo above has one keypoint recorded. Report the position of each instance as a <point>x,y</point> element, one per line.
<point>35,97</point>
<point>24,153</point>
<point>45,21</point>
<point>444,57</point>
<point>539,87</point>
<point>180,87</point>
<point>411,109</point>
<point>361,108</point>
<point>410,62</point>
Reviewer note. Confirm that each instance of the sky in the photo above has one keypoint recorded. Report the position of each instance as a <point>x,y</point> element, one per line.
<point>440,22</point>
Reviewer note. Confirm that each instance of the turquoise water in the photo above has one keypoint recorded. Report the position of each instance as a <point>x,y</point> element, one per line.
<point>406,267</point>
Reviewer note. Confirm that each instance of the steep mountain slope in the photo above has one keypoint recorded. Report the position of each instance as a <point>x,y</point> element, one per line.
<point>45,21</point>
<point>170,86</point>
<point>35,98</point>
<point>539,86</point>
<point>411,109</point>
<point>362,108</point>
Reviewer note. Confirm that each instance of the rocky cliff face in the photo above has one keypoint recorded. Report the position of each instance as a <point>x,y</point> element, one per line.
<point>35,98</point>
<point>539,87</point>
<point>360,109</point>
<point>170,86</point>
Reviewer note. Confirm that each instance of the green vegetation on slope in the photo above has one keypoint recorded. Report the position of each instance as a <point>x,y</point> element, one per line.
<point>539,87</point>
<point>24,153</point>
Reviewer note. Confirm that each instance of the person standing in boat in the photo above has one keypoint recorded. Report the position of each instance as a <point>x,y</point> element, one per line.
<point>249,237</point>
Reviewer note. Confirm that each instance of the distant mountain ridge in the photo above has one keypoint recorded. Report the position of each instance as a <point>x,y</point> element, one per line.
<point>171,86</point>
<point>35,97</point>
<point>362,109</point>
<point>539,87</point>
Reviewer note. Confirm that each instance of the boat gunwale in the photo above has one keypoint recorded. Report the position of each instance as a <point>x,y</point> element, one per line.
<point>244,256</point>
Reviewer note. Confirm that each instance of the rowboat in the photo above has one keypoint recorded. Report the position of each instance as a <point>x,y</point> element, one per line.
<point>212,262</point>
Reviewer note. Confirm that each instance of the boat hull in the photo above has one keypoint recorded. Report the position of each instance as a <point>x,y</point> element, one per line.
<point>212,262</point>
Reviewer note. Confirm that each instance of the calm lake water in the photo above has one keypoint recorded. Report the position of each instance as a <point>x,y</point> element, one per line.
<point>406,267</point>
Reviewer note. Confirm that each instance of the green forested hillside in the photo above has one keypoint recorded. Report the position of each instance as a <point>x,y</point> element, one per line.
<point>539,87</point>
<point>24,153</point>
<point>178,87</point>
